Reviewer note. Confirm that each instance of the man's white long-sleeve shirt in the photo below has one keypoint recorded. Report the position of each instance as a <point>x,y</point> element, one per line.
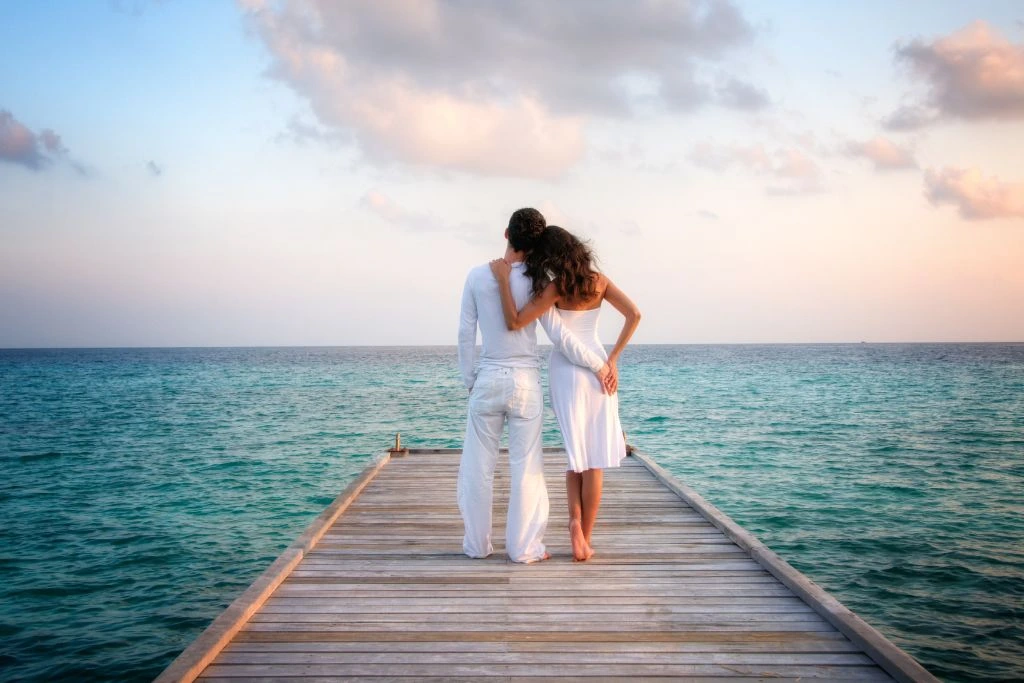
<point>501,347</point>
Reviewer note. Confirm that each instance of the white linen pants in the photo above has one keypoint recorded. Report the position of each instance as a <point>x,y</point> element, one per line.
<point>500,394</point>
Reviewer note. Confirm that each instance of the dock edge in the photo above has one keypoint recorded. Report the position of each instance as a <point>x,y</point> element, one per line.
<point>884,652</point>
<point>187,666</point>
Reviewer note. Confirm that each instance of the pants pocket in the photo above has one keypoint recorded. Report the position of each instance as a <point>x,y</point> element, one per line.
<point>480,396</point>
<point>527,400</point>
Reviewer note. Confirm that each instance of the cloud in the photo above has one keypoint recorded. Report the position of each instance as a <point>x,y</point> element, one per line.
<point>394,214</point>
<point>740,95</point>
<point>154,169</point>
<point>721,157</point>
<point>910,117</point>
<point>496,88</point>
<point>19,145</point>
<point>300,132</point>
<point>798,172</point>
<point>976,196</point>
<point>385,208</point>
<point>972,74</point>
<point>885,154</point>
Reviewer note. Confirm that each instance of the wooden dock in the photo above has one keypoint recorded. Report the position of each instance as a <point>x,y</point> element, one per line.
<point>378,588</point>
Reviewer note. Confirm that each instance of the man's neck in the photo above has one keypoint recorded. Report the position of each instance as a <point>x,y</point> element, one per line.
<point>513,256</point>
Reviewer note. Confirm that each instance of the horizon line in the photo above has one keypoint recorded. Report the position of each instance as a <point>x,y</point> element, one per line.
<point>453,346</point>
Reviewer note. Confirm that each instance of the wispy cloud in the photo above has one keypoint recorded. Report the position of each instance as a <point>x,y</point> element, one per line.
<point>497,88</point>
<point>35,151</point>
<point>883,153</point>
<point>976,196</point>
<point>909,117</point>
<point>791,169</point>
<point>300,132</point>
<point>974,73</point>
<point>385,208</point>
<point>740,95</point>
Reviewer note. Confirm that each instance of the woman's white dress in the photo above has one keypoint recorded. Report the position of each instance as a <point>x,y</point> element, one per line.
<point>588,417</point>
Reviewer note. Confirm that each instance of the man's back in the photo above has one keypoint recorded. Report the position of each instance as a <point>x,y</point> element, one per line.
<point>481,304</point>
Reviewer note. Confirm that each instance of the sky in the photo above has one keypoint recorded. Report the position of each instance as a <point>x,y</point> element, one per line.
<point>195,173</point>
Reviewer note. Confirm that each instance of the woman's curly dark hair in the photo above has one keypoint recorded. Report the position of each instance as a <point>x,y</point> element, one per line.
<point>560,257</point>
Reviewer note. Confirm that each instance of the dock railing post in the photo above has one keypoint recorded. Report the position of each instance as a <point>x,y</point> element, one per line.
<point>398,451</point>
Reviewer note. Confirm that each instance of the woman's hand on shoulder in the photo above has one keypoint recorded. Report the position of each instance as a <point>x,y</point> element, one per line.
<point>501,269</point>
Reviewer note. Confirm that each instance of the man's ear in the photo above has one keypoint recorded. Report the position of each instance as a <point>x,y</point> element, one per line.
<point>506,233</point>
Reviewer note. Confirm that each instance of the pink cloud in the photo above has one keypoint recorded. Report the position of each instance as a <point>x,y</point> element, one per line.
<point>396,215</point>
<point>19,145</point>
<point>799,172</point>
<point>976,196</point>
<point>885,154</point>
<point>494,88</point>
<point>974,73</point>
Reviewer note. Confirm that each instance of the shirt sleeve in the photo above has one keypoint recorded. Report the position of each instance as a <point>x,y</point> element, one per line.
<point>467,334</point>
<point>568,343</point>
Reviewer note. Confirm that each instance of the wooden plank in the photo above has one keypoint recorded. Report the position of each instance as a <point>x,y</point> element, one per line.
<point>460,656</point>
<point>779,640</point>
<point>343,671</point>
<point>836,645</point>
<point>536,626</point>
<point>520,679</point>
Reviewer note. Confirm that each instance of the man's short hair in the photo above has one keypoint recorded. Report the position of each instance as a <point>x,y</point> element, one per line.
<point>525,228</point>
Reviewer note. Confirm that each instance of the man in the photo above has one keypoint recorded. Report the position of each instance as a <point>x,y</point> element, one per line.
<point>505,385</point>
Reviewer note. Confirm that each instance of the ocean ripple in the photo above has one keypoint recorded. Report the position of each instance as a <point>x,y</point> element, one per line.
<point>144,489</point>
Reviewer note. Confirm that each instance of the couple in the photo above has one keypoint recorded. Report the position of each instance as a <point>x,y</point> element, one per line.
<point>547,274</point>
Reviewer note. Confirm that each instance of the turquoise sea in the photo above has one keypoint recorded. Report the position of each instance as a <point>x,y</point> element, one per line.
<point>143,489</point>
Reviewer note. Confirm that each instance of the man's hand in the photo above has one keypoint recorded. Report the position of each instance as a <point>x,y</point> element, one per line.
<point>501,269</point>
<point>608,376</point>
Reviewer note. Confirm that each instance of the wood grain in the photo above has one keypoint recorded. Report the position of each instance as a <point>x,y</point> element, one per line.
<point>383,591</point>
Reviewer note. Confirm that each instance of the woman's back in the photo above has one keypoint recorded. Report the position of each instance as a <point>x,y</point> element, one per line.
<point>591,302</point>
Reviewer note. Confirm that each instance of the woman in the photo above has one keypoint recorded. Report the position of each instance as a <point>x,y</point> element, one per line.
<point>563,274</point>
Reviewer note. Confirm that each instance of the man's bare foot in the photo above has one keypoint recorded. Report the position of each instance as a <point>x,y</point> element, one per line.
<point>579,543</point>
<point>589,554</point>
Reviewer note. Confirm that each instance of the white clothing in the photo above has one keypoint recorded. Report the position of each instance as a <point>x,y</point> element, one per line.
<point>505,385</point>
<point>501,347</point>
<point>515,394</point>
<point>588,417</point>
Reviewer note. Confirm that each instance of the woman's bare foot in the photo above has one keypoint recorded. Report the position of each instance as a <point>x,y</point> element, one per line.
<point>581,552</point>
